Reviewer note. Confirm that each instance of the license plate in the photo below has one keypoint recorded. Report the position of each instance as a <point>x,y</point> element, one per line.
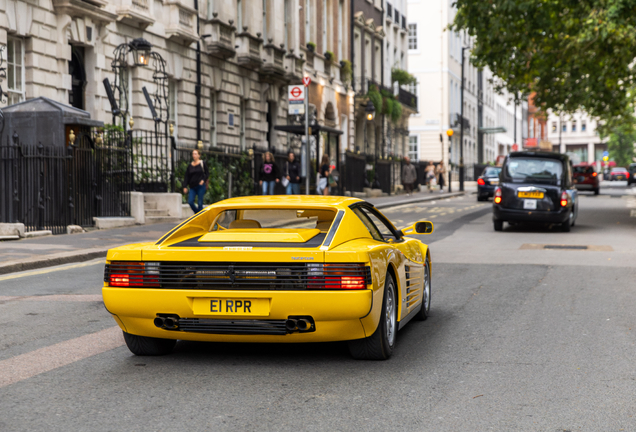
<point>494,182</point>
<point>529,204</point>
<point>535,195</point>
<point>620,177</point>
<point>231,306</point>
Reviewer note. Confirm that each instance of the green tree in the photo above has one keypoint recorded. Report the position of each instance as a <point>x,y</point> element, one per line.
<point>576,55</point>
<point>621,146</point>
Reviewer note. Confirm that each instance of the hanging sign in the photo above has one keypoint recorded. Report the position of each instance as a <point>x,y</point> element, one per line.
<point>296,99</point>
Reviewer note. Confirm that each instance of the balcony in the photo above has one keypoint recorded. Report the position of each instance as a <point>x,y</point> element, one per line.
<point>220,44</point>
<point>408,99</point>
<point>248,53</point>
<point>93,9</point>
<point>455,121</point>
<point>273,60</point>
<point>182,26</point>
<point>294,68</point>
<point>362,85</point>
<point>136,13</point>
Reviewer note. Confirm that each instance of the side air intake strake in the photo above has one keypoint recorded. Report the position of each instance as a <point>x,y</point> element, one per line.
<point>238,276</point>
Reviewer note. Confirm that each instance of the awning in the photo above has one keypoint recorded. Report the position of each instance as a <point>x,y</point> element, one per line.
<point>315,130</point>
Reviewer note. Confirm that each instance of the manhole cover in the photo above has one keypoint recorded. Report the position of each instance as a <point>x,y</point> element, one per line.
<point>564,247</point>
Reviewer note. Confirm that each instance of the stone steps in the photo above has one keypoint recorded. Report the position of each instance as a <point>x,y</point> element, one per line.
<point>155,212</point>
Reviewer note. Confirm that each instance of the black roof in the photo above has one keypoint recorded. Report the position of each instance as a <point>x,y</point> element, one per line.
<point>540,154</point>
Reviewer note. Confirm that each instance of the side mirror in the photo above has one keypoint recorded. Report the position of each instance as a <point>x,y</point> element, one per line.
<point>422,227</point>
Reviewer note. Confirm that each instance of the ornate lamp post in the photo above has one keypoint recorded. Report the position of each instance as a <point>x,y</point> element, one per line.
<point>449,133</point>
<point>370,115</point>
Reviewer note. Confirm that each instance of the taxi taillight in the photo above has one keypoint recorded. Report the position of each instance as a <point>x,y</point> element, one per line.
<point>565,198</point>
<point>481,182</point>
<point>498,196</point>
<point>594,174</point>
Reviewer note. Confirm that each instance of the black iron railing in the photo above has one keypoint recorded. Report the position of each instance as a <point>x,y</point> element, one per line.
<point>407,98</point>
<point>355,172</point>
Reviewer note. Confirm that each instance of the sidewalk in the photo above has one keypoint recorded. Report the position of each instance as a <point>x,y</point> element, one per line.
<point>33,253</point>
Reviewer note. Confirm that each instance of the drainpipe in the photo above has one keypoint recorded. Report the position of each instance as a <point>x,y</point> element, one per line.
<point>197,88</point>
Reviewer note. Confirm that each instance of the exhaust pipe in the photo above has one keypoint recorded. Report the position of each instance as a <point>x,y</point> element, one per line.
<point>171,323</point>
<point>303,324</point>
<point>290,325</point>
<point>160,322</point>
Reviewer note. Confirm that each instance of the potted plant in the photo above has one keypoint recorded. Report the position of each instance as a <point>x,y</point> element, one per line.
<point>330,56</point>
<point>311,46</point>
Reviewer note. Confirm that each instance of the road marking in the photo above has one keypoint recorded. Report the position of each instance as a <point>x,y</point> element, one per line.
<point>45,359</point>
<point>55,297</point>
<point>52,269</point>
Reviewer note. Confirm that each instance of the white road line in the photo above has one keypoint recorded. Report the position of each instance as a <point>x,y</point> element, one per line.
<point>45,359</point>
<point>52,269</point>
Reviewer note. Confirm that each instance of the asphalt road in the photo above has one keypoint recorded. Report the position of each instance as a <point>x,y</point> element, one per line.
<point>521,338</point>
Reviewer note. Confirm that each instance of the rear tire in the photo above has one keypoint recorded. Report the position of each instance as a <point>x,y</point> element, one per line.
<point>379,346</point>
<point>423,314</point>
<point>566,226</point>
<point>596,191</point>
<point>498,224</point>
<point>148,346</point>
<point>481,198</point>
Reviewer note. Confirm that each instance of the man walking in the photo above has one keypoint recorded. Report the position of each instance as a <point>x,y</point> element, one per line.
<point>292,175</point>
<point>409,176</point>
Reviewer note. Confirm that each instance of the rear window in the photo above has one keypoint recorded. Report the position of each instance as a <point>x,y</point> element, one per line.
<point>618,170</point>
<point>492,172</point>
<point>533,170</point>
<point>273,218</point>
<point>583,170</point>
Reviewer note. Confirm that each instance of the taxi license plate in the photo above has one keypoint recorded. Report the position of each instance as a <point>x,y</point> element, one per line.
<point>535,195</point>
<point>494,182</point>
<point>620,177</point>
<point>231,306</point>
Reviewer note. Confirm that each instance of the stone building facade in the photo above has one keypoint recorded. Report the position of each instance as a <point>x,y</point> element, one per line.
<point>251,50</point>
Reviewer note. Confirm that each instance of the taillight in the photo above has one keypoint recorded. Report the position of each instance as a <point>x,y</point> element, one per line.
<point>594,174</point>
<point>627,174</point>
<point>133,274</point>
<point>481,182</point>
<point>565,198</point>
<point>498,196</point>
<point>335,276</point>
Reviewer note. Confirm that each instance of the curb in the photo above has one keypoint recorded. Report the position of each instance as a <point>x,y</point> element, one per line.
<point>418,200</point>
<point>53,260</point>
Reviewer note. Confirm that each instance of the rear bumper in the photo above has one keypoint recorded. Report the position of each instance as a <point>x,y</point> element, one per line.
<point>586,186</point>
<point>486,190</point>
<point>337,315</point>
<point>510,215</point>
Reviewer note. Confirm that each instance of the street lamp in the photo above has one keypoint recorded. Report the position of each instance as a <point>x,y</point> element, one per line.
<point>140,49</point>
<point>461,129</point>
<point>369,109</point>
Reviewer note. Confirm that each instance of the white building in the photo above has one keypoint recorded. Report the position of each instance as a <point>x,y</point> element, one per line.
<point>576,135</point>
<point>434,57</point>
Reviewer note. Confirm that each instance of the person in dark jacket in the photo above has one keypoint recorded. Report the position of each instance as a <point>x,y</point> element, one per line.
<point>268,174</point>
<point>196,178</point>
<point>292,174</point>
<point>323,179</point>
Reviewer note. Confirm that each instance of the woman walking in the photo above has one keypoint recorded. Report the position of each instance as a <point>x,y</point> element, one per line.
<point>196,178</point>
<point>268,174</point>
<point>323,181</point>
<point>292,175</point>
<point>441,172</point>
<point>430,176</point>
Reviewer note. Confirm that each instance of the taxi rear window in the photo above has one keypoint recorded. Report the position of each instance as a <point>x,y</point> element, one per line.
<point>583,170</point>
<point>521,169</point>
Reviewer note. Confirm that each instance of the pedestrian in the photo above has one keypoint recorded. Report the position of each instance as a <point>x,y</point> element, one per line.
<point>323,180</point>
<point>430,176</point>
<point>441,171</point>
<point>196,178</point>
<point>268,174</point>
<point>409,175</point>
<point>292,175</point>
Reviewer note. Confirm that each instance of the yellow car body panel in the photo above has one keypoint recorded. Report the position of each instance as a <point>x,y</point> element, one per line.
<point>338,314</point>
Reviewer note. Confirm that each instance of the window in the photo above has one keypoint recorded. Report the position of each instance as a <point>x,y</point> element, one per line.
<point>378,228</point>
<point>340,28</point>
<point>15,70</point>
<point>239,15</point>
<point>574,126</point>
<point>554,127</point>
<point>287,23</point>
<point>213,119</point>
<point>564,127</point>
<point>324,25</point>
<point>307,21</point>
<point>413,36</point>
<point>265,20</point>
<point>583,126</point>
<point>414,150</point>
<point>242,129</point>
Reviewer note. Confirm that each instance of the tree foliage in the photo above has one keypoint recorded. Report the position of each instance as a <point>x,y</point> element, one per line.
<point>575,54</point>
<point>621,145</point>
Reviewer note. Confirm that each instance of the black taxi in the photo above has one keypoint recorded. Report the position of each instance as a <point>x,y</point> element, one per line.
<point>536,187</point>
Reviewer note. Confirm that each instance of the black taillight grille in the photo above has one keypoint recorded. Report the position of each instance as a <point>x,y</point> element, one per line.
<point>240,276</point>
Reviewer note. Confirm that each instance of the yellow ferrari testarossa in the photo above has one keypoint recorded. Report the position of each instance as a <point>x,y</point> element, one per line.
<point>273,269</point>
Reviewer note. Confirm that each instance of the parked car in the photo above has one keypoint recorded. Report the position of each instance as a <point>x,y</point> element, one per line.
<point>273,269</point>
<point>536,187</point>
<point>585,177</point>
<point>632,174</point>
<point>487,183</point>
<point>619,173</point>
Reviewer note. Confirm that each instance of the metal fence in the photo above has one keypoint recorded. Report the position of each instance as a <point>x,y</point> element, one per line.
<point>151,161</point>
<point>51,187</point>
<point>354,172</point>
<point>388,174</point>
